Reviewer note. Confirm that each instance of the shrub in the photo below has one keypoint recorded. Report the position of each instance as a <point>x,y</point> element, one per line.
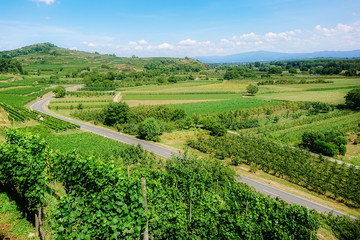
<point>352,99</point>
<point>342,150</point>
<point>149,129</point>
<point>59,91</point>
<point>116,113</point>
<point>325,148</point>
<point>214,126</point>
<point>252,89</point>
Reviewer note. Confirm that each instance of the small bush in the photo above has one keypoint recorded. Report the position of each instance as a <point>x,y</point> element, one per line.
<point>149,130</point>
<point>342,150</point>
<point>325,148</point>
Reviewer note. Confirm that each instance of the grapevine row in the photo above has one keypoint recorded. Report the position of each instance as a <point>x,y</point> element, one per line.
<point>47,120</point>
<point>190,199</point>
<point>337,181</point>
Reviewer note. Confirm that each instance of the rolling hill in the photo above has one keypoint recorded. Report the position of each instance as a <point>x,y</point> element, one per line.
<point>277,56</point>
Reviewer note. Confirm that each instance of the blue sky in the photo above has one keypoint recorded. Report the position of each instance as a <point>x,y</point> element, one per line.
<point>182,28</point>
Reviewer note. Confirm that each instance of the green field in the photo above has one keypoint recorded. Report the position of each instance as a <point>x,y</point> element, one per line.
<point>83,142</point>
<point>225,105</point>
<point>195,96</point>
<point>332,93</point>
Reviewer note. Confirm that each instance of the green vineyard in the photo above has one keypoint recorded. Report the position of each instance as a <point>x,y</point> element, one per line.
<point>47,120</point>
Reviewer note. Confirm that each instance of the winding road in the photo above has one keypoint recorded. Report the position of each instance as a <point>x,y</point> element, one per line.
<point>167,153</point>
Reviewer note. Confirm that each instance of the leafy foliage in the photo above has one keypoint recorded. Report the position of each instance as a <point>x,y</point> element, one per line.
<point>116,113</point>
<point>252,89</point>
<point>59,91</point>
<point>328,143</point>
<point>343,227</point>
<point>23,163</point>
<point>285,161</point>
<point>192,199</point>
<point>149,129</point>
<point>352,99</point>
<point>10,66</point>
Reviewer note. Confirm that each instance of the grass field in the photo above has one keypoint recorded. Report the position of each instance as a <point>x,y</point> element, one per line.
<point>72,102</point>
<point>221,106</point>
<point>197,96</point>
<point>188,87</point>
<point>83,142</point>
<point>332,93</point>
<point>12,223</point>
<point>293,135</point>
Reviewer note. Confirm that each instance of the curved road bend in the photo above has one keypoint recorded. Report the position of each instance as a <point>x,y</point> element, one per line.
<point>167,153</point>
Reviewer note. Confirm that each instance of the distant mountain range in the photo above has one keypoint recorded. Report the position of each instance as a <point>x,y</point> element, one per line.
<point>265,56</point>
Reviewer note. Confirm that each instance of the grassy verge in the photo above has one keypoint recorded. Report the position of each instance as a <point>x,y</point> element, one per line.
<point>12,223</point>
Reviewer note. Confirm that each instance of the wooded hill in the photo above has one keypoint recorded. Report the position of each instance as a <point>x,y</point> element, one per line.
<point>48,58</point>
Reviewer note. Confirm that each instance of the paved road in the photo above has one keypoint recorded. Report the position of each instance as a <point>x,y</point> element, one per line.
<point>167,153</point>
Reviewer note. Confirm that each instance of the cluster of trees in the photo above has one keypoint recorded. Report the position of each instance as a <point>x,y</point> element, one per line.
<point>287,162</point>
<point>291,81</point>
<point>184,198</point>
<point>327,143</point>
<point>168,65</point>
<point>352,99</point>
<point>317,66</point>
<point>41,47</point>
<point>10,66</point>
<point>143,120</point>
<point>238,72</point>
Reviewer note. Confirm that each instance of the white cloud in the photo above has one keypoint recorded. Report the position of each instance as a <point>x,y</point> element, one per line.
<point>139,48</point>
<point>47,2</point>
<point>344,28</point>
<point>142,42</point>
<point>89,44</point>
<point>165,46</point>
<point>132,43</point>
<point>187,42</point>
<point>73,48</point>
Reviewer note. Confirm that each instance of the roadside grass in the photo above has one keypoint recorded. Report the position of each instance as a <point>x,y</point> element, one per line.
<point>353,150</point>
<point>12,224</point>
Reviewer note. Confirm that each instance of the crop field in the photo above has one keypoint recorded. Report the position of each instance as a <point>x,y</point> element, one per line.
<point>332,93</point>
<point>73,102</point>
<point>347,123</point>
<point>82,142</point>
<point>225,105</point>
<point>189,87</point>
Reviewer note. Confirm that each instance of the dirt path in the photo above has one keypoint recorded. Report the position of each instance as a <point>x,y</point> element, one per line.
<point>118,97</point>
